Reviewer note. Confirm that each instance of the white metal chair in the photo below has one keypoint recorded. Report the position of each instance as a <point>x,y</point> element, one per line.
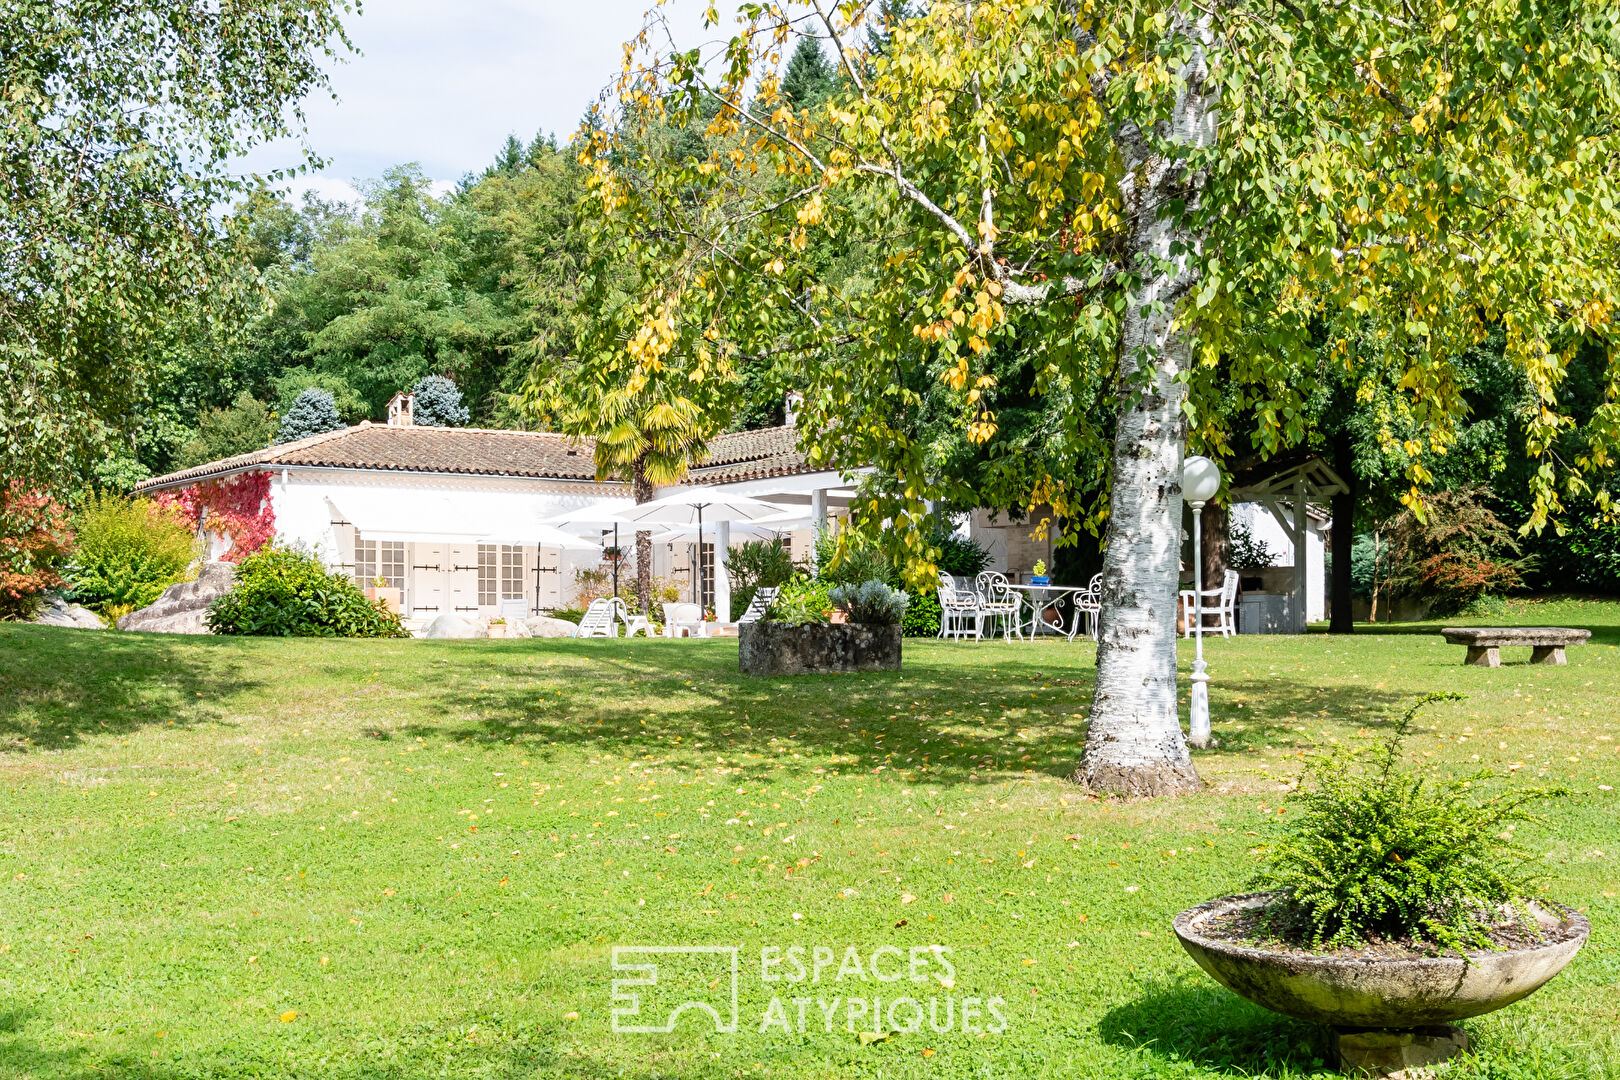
<point>600,619</point>
<point>999,603</point>
<point>682,620</point>
<point>1088,605</point>
<point>959,613</point>
<point>1196,606</point>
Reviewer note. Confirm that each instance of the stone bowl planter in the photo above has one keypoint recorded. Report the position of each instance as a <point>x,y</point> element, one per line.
<point>1395,993</point>
<point>766,647</point>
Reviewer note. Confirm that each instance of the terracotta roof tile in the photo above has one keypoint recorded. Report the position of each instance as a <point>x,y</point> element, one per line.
<point>741,455</point>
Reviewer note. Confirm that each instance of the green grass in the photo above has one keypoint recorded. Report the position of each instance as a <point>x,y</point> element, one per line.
<point>427,850</point>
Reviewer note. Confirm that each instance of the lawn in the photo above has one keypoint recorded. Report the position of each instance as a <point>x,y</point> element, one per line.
<point>224,858</point>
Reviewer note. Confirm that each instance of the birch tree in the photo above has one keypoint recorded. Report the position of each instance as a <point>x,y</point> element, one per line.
<point>1141,195</point>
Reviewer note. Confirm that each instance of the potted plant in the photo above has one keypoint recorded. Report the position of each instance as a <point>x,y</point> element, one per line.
<point>497,627</point>
<point>797,635</point>
<point>379,589</point>
<point>612,554</point>
<point>1038,575</point>
<point>1394,904</point>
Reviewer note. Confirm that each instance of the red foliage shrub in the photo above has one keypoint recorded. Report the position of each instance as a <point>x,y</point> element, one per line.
<point>1461,578</point>
<point>238,508</point>
<point>34,539</point>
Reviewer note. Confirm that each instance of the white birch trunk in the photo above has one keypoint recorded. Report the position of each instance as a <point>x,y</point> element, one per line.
<point>1135,744</point>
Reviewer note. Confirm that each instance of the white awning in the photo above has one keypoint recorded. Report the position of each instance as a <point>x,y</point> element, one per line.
<point>456,517</point>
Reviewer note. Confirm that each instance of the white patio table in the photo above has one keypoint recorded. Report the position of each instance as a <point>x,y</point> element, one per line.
<point>1041,597</point>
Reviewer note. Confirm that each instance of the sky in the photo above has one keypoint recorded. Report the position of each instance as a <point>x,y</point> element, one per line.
<point>443,82</point>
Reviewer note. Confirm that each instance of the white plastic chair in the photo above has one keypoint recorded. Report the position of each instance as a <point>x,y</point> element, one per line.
<point>682,620</point>
<point>634,624</point>
<point>600,619</point>
<point>1196,606</point>
<point>1000,603</point>
<point>756,609</point>
<point>959,613</point>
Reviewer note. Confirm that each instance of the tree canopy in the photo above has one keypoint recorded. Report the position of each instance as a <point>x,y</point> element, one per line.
<point>118,126</point>
<point>1191,217</point>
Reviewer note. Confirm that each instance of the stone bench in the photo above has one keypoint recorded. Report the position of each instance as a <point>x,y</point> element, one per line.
<point>1546,642</point>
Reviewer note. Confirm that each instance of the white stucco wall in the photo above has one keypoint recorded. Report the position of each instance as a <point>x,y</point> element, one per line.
<point>303,499</point>
<point>1266,529</point>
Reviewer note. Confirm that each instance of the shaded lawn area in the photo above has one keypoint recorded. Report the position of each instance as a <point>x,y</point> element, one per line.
<point>224,858</point>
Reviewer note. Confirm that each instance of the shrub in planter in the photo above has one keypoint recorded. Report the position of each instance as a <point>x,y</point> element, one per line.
<point>1378,852</point>
<point>129,551</point>
<point>284,592</point>
<point>870,602</point>
<point>800,603</point>
<point>1398,903</point>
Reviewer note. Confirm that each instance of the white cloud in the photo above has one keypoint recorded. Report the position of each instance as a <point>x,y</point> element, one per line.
<point>442,83</point>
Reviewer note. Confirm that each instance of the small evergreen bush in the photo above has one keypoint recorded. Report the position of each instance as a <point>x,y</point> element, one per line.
<point>438,403</point>
<point>800,603</point>
<point>128,552</point>
<point>849,559</point>
<point>922,615</point>
<point>870,602</point>
<point>960,557</point>
<point>1244,552</point>
<point>312,413</point>
<point>1382,852</point>
<point>284,592</point>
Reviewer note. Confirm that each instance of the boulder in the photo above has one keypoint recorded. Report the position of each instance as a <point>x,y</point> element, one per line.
<point>59,612</point>
<point>452,626</point>
<point>545,626</point>
<point>518,628</point>
<point>182,609</point>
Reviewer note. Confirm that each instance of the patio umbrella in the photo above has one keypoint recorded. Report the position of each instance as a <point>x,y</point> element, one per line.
<point>596,517</point>
<point>688,507</point>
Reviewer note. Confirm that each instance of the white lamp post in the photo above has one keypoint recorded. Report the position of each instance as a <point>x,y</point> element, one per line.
<point>1200,480</point>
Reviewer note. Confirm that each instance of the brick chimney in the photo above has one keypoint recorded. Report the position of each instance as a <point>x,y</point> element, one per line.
<point>401,408</point>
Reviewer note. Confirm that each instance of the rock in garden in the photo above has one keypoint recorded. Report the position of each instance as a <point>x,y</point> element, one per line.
<point>547,627</point>
<point>452,626</point>
<point>518,628</point>
<point>61,613</point>
<point>182,609</point>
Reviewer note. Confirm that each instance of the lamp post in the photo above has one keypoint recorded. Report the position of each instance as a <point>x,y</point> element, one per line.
<point>1200,480</point>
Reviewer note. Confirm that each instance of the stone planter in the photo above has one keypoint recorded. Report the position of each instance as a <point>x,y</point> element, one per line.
<point>772,648</point>
<point>497,630</point>
<point>1389,1013</point>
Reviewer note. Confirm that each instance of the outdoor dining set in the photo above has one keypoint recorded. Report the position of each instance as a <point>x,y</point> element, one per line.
<point>991,604</point>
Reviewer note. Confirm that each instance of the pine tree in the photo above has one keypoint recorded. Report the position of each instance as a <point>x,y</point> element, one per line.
<point>438,403</point>
<point>810,78</point>
<point>312,413</point>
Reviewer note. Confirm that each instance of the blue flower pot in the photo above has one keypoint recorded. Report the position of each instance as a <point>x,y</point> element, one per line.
<point>1044,579</point>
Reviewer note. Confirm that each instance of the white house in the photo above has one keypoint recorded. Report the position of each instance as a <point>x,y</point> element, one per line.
<point>453,517</point>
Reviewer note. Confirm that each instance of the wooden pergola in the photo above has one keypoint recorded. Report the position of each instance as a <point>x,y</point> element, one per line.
<point>1287,494</point>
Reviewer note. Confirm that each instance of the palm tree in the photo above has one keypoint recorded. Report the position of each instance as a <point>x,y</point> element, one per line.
<point>647,434</point>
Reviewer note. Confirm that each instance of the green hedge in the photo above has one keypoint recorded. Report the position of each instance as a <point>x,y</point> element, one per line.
<point>282,592</point>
